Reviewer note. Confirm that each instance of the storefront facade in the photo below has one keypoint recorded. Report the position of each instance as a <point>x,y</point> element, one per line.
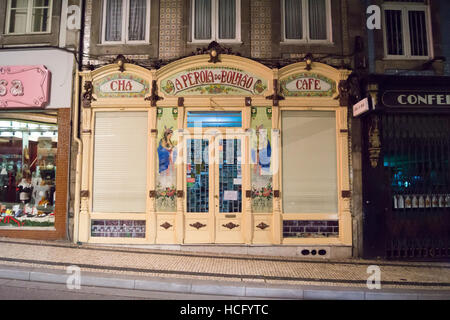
<point>406,140</point>
<point>35,101</point>
<point>215,149</point>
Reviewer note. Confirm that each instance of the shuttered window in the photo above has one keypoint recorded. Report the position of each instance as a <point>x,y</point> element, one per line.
<point>120,162</point>
<point>309,162</point>
<point>306,20</point>
<point>216,20</point>
<point>406,30</point>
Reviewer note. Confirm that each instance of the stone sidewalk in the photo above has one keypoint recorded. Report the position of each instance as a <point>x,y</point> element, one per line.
<point>237,275</point>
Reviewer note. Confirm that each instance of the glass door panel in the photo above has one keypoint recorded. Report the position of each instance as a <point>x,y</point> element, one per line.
<point>197,175</point>
<point>230,176</point>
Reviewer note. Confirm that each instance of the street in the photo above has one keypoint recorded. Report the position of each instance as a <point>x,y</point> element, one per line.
<point>29,290</point>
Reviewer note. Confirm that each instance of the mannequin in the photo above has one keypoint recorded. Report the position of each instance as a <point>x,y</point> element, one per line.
<point>25,189</point>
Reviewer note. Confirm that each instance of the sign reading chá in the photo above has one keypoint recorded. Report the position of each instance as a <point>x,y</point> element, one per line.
<point>24,86</point>
<point>213,80</point>
<point>120,86</point>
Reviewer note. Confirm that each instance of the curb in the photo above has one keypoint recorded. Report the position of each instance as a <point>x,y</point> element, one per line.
<point>237,289</point>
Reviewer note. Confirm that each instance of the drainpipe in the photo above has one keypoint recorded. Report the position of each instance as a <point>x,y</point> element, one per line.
<point>76,206</point>
<point>370,44</point>
<point>76,123</point>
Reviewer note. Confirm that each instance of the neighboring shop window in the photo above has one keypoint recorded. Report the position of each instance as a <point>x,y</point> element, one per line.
<point>126,21</point>
<point>261,153</point>
<point>306,20</point>
<point>29,16</point>
<point>27,173</point>
<point>309,162</point>
<point>120,162</point>
<point>406,29</point>
<point>217,20</point>
<point>166,177</point>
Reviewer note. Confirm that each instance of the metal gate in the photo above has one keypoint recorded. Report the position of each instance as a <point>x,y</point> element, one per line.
<point>406,189</point>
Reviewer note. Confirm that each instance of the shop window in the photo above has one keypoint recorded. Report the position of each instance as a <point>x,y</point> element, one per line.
<point>208,119</point>
<point>306,20</point>
<point>120,162</point>
<point>28,16</point>
<point>27,173</point>
<point>406,30</point>
<point>126,21</point>
<point>309,162</point>
<point>217,20</point>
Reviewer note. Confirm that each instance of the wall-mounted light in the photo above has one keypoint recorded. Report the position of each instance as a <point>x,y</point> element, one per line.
<point>308,60</point>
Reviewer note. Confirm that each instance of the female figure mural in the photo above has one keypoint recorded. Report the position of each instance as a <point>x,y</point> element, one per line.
<point>166,181</point>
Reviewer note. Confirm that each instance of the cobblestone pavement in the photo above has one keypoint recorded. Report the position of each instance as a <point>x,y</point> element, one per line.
<point>203,266</point>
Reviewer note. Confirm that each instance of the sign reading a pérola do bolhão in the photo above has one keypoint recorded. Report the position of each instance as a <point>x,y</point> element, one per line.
<point>213,80</point>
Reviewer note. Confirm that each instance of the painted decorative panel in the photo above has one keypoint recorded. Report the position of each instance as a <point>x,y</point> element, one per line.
<point>121,85</point>
<point>261,152</point>
<point>310,229</point>
<point>118,228</point>
<point>307,84</point>
<point>166,175</point>
<point>211,80</point>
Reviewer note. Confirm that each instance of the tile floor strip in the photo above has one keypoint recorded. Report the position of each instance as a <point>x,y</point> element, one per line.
<point>217,275</point>
<point>252,258</point>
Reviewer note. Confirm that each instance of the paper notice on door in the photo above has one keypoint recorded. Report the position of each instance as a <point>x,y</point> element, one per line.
<point>230,195</point>
<point>237,181</point>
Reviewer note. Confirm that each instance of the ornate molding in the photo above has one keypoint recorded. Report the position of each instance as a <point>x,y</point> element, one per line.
<point>230,225</point>
<point>166,225</point>
<point>374,141</point>
<point>154,98</point>
<point>88,96</point>
<point>198,225</point>
<point>275,97</point>
<point>262,226</point>
<point>349,91</point>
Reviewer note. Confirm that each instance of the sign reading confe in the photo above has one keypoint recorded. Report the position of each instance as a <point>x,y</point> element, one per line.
<point>24,86</point>
<point>416,99</point>
<point>213,80</point>
<point>120,86</point>
<point>307,85</point>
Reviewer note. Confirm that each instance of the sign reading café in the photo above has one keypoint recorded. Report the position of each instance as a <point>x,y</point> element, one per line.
<point>307,84</point>
<point>211,80</point>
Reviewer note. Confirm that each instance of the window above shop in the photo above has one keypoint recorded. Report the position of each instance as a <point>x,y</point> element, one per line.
<point>28,16</point>
<point>126,21</point>
<point>407,31</point>
<point>306,21</point>
<point>216,20</point>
